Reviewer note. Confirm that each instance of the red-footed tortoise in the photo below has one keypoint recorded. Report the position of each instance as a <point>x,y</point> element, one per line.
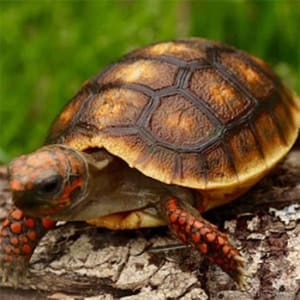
<point>163,135</point>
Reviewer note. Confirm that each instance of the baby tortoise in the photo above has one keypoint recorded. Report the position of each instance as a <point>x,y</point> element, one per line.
<point>163,135</point>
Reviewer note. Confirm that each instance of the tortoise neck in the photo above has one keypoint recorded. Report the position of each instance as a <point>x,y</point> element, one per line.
<point>114,187</point>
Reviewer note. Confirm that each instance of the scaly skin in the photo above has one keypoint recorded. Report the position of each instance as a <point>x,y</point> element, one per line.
<point>192,229</point>
<point>42,185</point>
<point>53,180</point>
<point>19,235</point>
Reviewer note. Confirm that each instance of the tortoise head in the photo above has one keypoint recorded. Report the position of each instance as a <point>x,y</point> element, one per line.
<point>50,181</point>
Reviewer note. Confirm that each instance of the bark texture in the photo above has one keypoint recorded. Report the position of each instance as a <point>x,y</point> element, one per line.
<point>77,261</point>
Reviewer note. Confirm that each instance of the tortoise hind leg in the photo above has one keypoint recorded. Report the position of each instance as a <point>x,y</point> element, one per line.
<point>19,236</point>
<point>188,225</point>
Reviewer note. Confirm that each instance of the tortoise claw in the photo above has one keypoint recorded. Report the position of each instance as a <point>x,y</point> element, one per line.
<point>19,236</point>
<point>192,229</point>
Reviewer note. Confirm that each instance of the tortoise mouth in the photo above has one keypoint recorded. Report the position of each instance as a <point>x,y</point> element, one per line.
<point>36,204</point>
<point>27,202</point>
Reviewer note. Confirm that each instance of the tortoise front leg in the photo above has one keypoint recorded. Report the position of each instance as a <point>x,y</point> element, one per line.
<point>188,225</point>
<point>19,236</point>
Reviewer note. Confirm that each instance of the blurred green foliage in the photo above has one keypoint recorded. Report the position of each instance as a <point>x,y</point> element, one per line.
<point>48,48</point>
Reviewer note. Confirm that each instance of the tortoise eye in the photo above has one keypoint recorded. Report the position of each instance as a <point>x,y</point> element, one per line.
<point>50,186</point>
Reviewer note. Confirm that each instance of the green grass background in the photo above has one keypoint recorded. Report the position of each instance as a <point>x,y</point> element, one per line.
<point>48,48</point>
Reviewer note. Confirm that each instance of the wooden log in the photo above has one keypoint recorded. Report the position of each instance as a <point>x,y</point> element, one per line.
<point>77,261</point>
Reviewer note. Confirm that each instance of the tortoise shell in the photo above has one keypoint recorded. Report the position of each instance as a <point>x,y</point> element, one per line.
<point>190,112</point>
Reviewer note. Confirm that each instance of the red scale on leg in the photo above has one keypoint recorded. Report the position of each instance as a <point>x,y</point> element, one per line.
<point>30,223</point>
<point>195,237</point>
<point>203,248</point>
<point>193,229</point>
<point>19,236</point>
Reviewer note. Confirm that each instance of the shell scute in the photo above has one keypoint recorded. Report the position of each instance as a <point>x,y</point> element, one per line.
<point>68,115</point>
<point>225,101</point>
<point>246,70</point>
<point>194,168</point>
<point>244,148</point>
<point>115,107</point>
<point>153,74</point>
<point>267,130</point>
<point>177,121</point>
<point>219,167</point>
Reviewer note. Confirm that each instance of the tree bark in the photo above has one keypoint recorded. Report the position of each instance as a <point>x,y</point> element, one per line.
<point>77,261</point>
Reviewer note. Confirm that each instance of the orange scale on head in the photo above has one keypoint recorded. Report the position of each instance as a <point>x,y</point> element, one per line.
<point>16,185</point>
<point>65,197</point>
<point>58,161</point>
<point>18,163</point>
<point>34,162</point>
<point>33,175</point>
